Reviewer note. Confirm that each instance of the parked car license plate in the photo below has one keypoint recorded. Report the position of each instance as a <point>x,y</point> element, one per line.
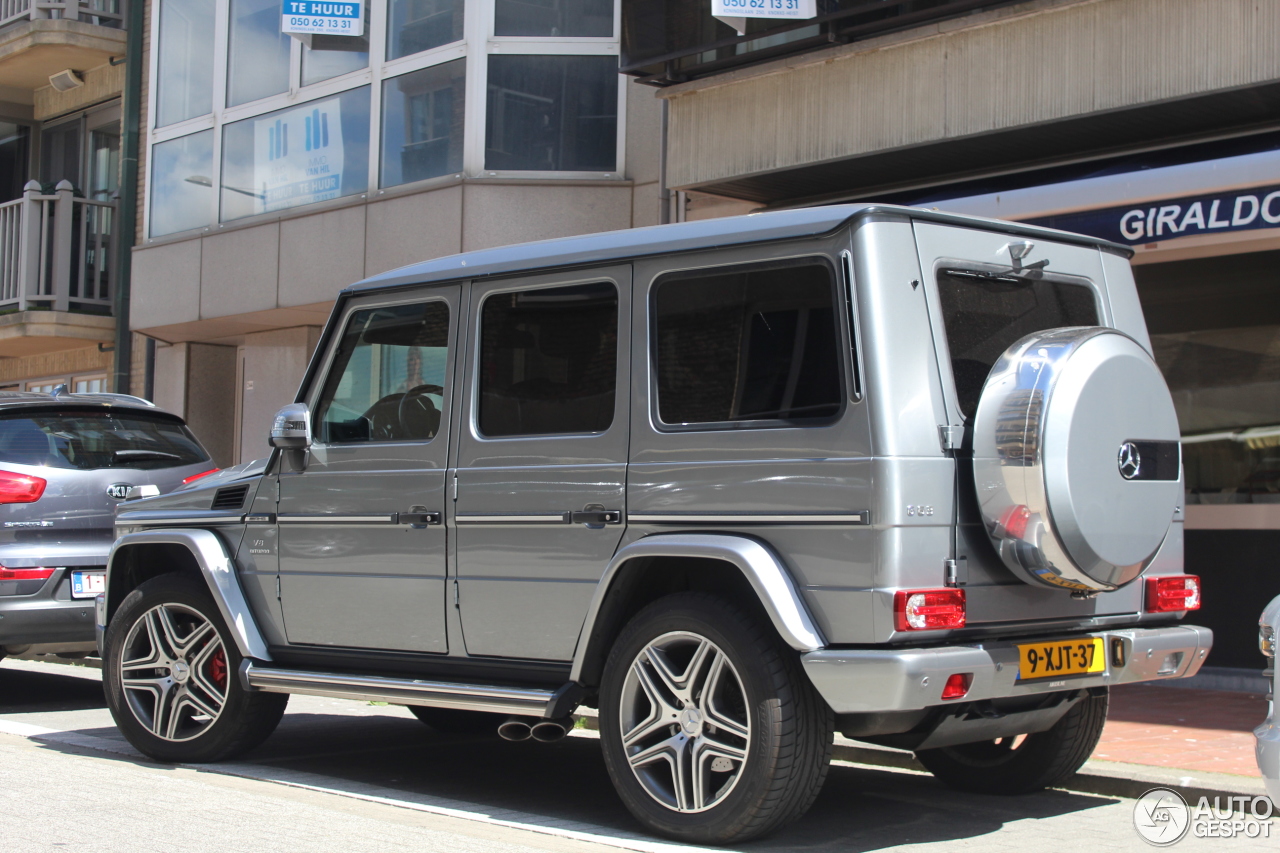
<point>88,584</point>
<point>1061,657</point>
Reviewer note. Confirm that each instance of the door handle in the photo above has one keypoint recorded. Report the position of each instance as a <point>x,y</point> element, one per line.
<point>418,519</point>
<point>596,516</point>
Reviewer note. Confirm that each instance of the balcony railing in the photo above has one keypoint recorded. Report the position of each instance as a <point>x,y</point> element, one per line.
<point>56,251</point>
<point>104,13</point>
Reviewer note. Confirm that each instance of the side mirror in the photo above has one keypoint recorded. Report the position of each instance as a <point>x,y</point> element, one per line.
<point>291,429</point>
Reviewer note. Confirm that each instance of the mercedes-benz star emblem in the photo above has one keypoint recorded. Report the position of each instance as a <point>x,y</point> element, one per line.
<point>1129,460</point>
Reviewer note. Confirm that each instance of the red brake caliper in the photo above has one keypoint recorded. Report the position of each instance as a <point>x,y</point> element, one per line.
<point>218,668</point>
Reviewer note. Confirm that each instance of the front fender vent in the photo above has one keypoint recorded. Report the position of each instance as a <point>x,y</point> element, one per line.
<point>230,497</point>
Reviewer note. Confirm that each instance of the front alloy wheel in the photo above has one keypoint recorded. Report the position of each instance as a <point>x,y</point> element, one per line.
<point>169,673</point>
<point>174,672</point>
<point>684,720</point>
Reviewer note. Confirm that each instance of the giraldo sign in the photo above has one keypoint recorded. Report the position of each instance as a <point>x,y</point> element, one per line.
<point>1244,210</point>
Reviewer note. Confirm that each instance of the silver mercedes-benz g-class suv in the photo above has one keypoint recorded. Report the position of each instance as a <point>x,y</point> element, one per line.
<point>737,484</point>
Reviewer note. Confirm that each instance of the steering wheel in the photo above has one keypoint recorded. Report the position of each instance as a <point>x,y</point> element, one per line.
<point>418,416</point>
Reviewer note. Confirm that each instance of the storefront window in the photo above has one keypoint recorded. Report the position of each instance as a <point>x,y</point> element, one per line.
<point>422,123</point>
<point>258,62</point>
<point>552,113</point>
<point>1215,326</point>
<point>181,189</point>
<point>301,155</point>
<point>185,53</point>
<point>417,25</point>
<point>553,18</point>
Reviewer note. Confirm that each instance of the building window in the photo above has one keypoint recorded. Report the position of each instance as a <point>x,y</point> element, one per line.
<point>553,18</point>
<point>181,191</point>
<point>258,61</point>
<point>422,123</point>
<point>185,90</point>
<point>291,123</point>
<point>552,113</point>
<point>15,148</point>
<point>417,25</point>
<point>310,153</point>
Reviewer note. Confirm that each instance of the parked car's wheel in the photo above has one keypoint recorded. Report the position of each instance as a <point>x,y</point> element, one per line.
<point>1007,766</point>
<point>711,731</point>
<point>453,722</point>
<point>170,678</point>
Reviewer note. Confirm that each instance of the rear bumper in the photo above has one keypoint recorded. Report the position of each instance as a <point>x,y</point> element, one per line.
<point>48,616</point>
<point>908,679</point>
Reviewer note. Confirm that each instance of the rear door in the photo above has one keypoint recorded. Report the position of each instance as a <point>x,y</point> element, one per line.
<point>985,292</point>
<point>361,539</point>
<point>542,454</point>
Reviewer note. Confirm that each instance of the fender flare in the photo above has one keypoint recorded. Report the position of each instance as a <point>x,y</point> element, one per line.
<point>759,565</point>
<point>219,572</point>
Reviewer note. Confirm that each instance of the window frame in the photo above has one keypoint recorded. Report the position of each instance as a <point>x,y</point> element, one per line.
<point>476,45</point>
<point>316,387</point>
<point>843,334</point>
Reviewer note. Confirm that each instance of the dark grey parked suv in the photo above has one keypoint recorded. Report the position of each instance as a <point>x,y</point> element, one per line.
<point>66,461</point>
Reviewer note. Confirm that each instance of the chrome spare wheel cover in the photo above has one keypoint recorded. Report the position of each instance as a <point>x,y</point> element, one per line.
<point>173,672</point>
<point>1077,458</point>
<point>686,728</point>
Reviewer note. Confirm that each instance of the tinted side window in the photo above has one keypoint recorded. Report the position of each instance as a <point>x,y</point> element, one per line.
<point>387,378</point>
<point>748,345</point>
<point>984,316</point>
<point>548,360</point>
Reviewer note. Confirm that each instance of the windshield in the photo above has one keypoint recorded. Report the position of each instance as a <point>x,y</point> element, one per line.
<point>89,440</point>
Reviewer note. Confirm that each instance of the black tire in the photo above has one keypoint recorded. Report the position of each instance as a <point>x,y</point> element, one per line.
<point>1040,761</point>
<point>453,722</point>
<point>244,719</point>
<point>787,727</point>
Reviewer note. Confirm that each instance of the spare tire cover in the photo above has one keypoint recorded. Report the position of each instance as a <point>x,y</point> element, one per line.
<point>1077,460</point>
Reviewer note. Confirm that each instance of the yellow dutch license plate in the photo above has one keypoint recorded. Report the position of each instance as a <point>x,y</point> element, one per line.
<point>1060,658</point>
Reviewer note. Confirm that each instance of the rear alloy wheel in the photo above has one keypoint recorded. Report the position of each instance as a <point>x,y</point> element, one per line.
<point>169,678</point>
<point>1020,765</point>
<point>711,732</point>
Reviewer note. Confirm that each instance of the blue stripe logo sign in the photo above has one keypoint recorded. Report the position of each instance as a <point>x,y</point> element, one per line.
<point>1241,210</point>
<point>323,17</point>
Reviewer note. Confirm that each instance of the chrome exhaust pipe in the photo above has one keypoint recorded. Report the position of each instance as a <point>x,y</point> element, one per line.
<point>516,728</point>
<point>550,731</point>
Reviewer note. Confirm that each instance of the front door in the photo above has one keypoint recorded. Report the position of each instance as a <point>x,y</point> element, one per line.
<point>542,459</point>
<point>362,544</point>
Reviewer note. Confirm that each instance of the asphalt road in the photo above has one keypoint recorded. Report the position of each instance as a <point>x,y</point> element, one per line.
<point>349,777</point>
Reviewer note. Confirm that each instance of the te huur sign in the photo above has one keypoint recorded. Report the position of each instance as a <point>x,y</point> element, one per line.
<point>317,17</point>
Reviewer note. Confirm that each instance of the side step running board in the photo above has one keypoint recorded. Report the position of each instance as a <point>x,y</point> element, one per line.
<point>402,691</point>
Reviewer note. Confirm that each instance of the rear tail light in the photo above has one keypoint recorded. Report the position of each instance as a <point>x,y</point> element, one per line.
<point>928,609</point>
<point>957,685</point>
<point>1173,594</point>
<point>195,477</point>
<point>20,488</point>
<point>37,574</point>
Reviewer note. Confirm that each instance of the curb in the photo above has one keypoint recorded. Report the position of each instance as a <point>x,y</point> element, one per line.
<point>1102,778</point>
